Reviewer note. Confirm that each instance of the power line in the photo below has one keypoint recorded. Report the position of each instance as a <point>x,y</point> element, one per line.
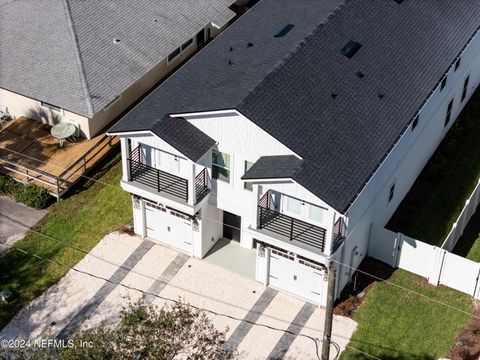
<point>335,345</point>
<point>246,230</point>
<point>145,293</point>
<point>61,168</point>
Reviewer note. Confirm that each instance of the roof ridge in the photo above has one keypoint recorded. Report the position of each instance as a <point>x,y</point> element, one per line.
<point>83,77</point>
<point>297,48</point>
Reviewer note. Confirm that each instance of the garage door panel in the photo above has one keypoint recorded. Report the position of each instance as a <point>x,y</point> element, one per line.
<point>168,227</point>
<point>295,276</point>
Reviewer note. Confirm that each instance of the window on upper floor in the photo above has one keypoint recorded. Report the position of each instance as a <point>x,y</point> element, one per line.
<point>295,206</point>
<point>248,185</point>
<point>221,166</point>
<point>449,113</point>
<point>201,37</point>
<point>173,54</point>
<point>187,44</point>
<point>465,87</point>
<point>317,213</point>
<point>457,63</point>
<point>444,82</point>
<point>391,192</point>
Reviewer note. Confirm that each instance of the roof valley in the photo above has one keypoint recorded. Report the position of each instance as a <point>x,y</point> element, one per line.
<point>78,57</point>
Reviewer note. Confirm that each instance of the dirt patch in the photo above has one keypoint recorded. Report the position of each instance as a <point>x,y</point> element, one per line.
<point>354,293</point>
<point>467,344</point>
<point>127,229</point>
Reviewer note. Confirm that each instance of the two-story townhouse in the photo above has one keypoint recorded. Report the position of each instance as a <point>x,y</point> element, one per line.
<point>299,127</point>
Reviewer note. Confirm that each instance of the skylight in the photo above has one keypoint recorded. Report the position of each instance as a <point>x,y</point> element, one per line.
<point>351,48</point>
<point>285,30</point>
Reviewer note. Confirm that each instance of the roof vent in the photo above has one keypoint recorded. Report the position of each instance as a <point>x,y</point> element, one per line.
<point>381,96</point>
<point>155,20</point>
<point>230,62</point>
<point>116,41</point>
<point>351,48</point>
<point>249,44</point>
<point>284,31</point>
<point>333,95</point>
<point>398,1</point>
<point>231,48</point>
<point>360,74</point>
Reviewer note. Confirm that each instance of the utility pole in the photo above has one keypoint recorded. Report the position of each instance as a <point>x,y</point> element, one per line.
<point>327,329</point>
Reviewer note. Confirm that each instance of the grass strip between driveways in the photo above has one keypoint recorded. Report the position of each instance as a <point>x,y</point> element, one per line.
<point>396,324</point>
<point>91,211</point>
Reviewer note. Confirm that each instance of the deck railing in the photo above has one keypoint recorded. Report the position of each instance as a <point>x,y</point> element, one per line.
<point>157,179</point>
<point>57,185</point>
<point>287,226</point>
<point>202,185</point>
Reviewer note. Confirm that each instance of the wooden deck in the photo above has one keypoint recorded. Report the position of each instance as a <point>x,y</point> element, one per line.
<point>29,153</point>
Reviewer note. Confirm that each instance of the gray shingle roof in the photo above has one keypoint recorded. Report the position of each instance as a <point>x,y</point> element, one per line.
<point>285,85</point>
<point>62,51</point>
<point>274,167</point>
<point>183,136</point>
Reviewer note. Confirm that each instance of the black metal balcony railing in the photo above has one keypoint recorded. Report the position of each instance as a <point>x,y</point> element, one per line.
<point>156,179</point>
<point>338,234</point>
<point>202,185</point>
<point>289,227</point>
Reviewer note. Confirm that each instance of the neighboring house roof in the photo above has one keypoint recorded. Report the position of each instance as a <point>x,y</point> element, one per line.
<point>274,167</point>
<point>62,52</point>
<point>341,115</point>
<point>183,136</point>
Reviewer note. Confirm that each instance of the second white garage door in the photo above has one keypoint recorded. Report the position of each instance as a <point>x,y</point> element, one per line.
<point>297,276</point>
<point>168,227</point>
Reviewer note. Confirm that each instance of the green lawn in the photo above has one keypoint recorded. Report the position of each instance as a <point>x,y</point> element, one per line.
<point>395,324</point>
<point>436,199</point>
<point>91,211</point>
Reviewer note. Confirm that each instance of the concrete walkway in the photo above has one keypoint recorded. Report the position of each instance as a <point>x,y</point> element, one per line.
<point>15,220</point>
<point>85,301</point>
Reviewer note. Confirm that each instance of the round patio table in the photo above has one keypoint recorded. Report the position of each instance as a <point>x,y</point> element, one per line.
<point>62,131</point>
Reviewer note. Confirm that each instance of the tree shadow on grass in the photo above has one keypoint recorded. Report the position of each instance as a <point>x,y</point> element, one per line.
<point>470,236</point>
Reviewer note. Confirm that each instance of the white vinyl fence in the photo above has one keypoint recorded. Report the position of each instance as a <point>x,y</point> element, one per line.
<point>462,221</point>
<point>434,263</point>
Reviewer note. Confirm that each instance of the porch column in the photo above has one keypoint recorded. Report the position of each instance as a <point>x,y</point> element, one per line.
<point>191,186</point>
<point>125,156</point>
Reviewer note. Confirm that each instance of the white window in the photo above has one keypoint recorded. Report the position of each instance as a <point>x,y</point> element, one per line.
<point>221,166</point>
<point>295,206</point>
<point>318,214</point>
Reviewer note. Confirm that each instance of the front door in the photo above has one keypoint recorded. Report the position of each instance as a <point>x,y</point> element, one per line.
<point>231,226</point>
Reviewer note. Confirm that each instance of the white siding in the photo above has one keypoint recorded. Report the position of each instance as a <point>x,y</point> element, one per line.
<point>408,157</point>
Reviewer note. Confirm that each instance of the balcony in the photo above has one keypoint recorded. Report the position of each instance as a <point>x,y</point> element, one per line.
<point>291,228</point>
<point>164,182</point>
<point>338,234</point>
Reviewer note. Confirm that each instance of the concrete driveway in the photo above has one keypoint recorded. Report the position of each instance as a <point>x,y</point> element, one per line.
<point>80,301</point>
<point>15,220</point>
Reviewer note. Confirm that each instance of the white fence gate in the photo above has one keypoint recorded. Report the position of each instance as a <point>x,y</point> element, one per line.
<point>437,265</point>
<point>462,221</point>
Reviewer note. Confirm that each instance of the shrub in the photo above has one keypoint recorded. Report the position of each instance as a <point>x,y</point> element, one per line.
<point>31,195</point>
<point>8,185</point>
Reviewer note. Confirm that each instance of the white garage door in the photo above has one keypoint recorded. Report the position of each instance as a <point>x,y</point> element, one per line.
<point>168,227</point>
<point>297,276</point>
